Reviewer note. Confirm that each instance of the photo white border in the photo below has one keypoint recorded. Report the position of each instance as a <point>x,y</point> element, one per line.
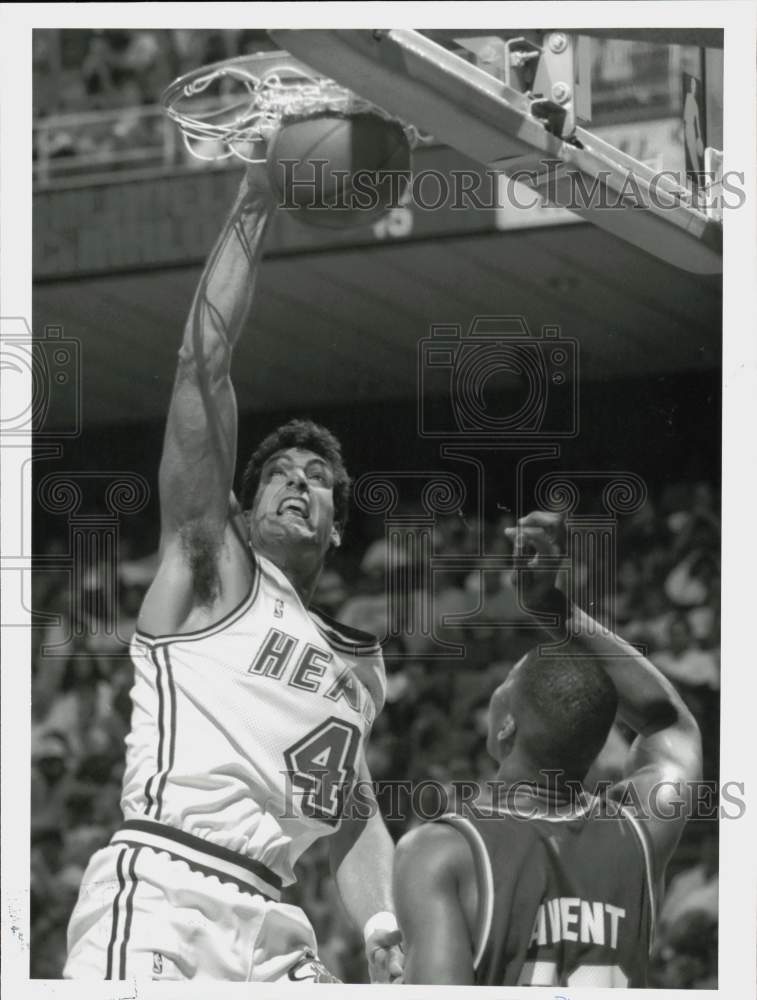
<point>738,870</point>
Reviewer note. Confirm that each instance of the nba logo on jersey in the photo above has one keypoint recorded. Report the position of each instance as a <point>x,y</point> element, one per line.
<point>278,608</point>
<point>164,968</point>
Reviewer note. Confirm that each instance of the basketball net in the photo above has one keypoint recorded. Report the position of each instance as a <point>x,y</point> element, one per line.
<point>234,123</point>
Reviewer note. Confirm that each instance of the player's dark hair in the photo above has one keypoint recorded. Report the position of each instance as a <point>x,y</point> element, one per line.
<point>575,703</point>
<point>311,437</point>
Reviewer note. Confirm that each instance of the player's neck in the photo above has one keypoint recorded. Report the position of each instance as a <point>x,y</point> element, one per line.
<point>305,587</point>
<point>518,773</point>
<point>302,573</point>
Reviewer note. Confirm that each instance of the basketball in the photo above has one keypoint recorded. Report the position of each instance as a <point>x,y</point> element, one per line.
<point>339,171</point>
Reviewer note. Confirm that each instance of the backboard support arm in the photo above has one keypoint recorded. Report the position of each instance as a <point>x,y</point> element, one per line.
<point>488,119</point>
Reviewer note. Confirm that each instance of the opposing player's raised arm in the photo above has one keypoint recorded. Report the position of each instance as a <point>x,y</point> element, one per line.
<point>666,753</point>
<point>199,451</point>
<point>433,869</point>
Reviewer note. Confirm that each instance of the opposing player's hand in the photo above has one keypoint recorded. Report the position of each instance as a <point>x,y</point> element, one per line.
<point>386,960</point>
<point>538,546</point>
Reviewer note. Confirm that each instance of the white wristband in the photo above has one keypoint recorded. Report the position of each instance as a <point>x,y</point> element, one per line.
<point>385,920</point>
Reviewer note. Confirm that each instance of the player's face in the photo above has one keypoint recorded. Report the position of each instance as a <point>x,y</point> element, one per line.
<point>294,504</point>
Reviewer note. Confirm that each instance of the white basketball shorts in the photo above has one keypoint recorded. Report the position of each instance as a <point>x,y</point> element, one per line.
<point>154,904</point>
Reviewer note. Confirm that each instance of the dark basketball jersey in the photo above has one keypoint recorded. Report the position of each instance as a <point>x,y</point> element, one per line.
<point>564,900</point>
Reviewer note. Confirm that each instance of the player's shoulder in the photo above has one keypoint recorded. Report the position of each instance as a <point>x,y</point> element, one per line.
<point>344,638</point>
<point>358,650</point>
<point>438,847</point>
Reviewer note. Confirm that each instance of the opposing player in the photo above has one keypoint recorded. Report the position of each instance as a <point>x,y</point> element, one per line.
<point>550,886</point>
<point>250,709</point>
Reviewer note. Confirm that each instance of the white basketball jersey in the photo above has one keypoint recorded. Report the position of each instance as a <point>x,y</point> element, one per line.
<point>248,734</point>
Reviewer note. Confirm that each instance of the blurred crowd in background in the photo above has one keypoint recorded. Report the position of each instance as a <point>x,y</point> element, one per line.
<point>433,727</point>
<point>111,69</point>
<point>96,92</point>
<point>99,91</point>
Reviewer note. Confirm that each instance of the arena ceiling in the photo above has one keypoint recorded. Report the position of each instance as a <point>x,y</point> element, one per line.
<point>344,326</point>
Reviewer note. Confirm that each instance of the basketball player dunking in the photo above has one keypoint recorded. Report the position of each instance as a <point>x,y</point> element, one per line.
<point>250,708</point>
<point>547,887</point>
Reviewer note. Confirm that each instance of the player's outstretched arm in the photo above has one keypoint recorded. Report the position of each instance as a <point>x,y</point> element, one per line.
<point>434,889</point>
<point>199,451</point>
<point>666,753</point>
<point>362,854</point>
<point>199,448</point>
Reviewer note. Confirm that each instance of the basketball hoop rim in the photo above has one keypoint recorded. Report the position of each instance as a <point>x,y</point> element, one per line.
<point>263,74</point>
<point>177,87</point>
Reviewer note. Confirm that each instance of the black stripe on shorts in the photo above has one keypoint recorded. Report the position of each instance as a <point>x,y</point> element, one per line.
<point>116,907</point>
<point>128,915</point>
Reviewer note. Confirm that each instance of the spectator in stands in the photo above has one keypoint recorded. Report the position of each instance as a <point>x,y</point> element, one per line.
<point>83,711</point>
<point>685,664</point>
<point>685,953</point>
<point>694,889</point>
<point>50,781</point>
<point>97,71</point>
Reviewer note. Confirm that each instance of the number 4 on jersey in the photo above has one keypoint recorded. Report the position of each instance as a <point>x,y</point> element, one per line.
<point>322,767</point>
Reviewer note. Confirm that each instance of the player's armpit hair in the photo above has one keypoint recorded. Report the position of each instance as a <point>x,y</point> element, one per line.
<point>310,436</point>
<point>201,546</point>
